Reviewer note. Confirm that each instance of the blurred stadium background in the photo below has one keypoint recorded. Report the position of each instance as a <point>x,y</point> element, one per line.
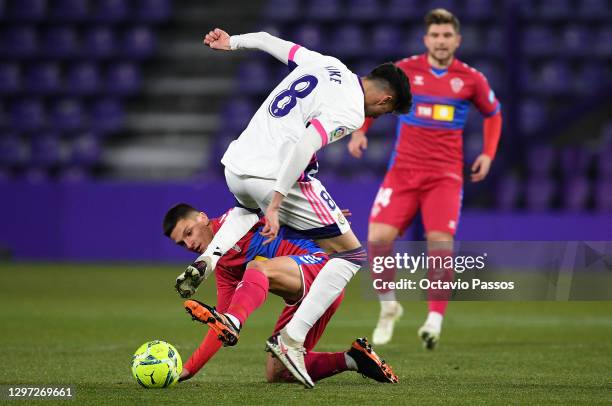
<point>111,110</point>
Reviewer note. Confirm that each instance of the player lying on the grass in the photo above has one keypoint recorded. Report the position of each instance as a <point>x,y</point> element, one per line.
<point>244,276</point>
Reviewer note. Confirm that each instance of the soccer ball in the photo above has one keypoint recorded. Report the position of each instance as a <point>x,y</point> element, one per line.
<point>156,364</point>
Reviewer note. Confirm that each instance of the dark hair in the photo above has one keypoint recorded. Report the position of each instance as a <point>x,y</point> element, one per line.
<point>176,213</point>
<point>441,16</point>
<point>397,81</point>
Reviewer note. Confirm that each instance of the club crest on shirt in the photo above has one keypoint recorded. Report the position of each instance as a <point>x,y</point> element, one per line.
<point>338,133</point>
<point>456,84</point>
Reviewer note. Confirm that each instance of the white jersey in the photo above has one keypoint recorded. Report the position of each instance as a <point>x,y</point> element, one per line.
<point>320,91</point>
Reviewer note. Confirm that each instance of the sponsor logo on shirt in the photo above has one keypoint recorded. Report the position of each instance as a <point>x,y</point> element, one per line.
<point>439,112</point>
<point>418,80</point>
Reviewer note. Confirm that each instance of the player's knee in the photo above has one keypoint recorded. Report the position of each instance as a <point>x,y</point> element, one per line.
<point>276,372</point>
<point>439,236</point>
<point>378,232</point>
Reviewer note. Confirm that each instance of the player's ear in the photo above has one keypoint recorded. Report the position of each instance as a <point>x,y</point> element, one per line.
<point>458,39</point>
<point>202,217</point>
<point>387,99</point>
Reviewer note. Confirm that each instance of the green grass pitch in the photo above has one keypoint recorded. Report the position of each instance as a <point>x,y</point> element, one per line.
<point>79,325</point>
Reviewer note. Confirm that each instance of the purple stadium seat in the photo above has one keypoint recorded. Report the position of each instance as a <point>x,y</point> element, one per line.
<point>19,42</point>
<point>413,42</point>
<point>378,153</point>
<point>478,9</point>
<point>59,42</point>
<point>554,77</point>
<point>471,39</point>
<point>540,193</point>
<point>282,10</point>
<point>576,40</point>
<point>404,10</point>
<point>107,116</point>
<point>67,115</point>
<point>73,174</point>
<point>253,77</point>
<point>99,43</point>
<point>538,40</point>
<point>12,151</point>
<point>36,175</point>
<point>492,71</point>
<point>384,127</point>
<point>364,10</point>
<point>27,10</point>
<point>603,195</point>
<point>111,11</point>
<point>9,78</point>
<point>555,9</point>
<point>310,36</point>
<point>83,79</point>
<point>575,160</point>
<point>46,150</point>
<point>576,193</point>
<point>324,10</point>
<point>236,115</point>
<point>348,40</point>
<point>153,11</point>
<point>123,79</point>
<point>44,78</point>
<point>86,150</point>
<point>594,9</point>
<point>604,164</point>
<point>450,5</point>
<point>27,115</point>
<point>386,41</point>
<point>540,160</point>
<point>3,7</point>
<point>364,66</point>
<point>138,42</point>
<point>508,192</point>
<point>70,10</point>
<point>590,77</point>
<point>603,41</point>
<point>494,45</point>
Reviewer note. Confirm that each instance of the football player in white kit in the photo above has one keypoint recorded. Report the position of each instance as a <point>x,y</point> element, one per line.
<point>270,167</point>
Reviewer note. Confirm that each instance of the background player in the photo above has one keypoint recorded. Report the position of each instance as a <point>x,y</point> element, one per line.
<point>269,167</point>
<point>426,168</point>
<point>242,286</point>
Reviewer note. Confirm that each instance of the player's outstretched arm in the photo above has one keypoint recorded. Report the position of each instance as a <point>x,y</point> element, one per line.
<point>278,48</point>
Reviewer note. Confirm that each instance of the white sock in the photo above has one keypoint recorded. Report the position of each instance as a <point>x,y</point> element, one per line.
<point>350,362</point>
<point>388,296</point>
<point>326,288</point>
<point>388,307</point>
<point>234,320</point>
<point>434,319</point>
<point>236,224</point>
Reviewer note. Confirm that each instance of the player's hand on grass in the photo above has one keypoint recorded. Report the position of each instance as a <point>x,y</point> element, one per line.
<point>480,167</point>
<point>358,144</point>
<point>188,282</point>
<point>218,39</point>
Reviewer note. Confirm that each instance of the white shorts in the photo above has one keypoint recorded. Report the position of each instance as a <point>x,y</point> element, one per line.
<point>307,207</point>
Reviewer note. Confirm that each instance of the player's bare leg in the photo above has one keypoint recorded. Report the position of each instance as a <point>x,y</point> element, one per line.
<point>328,285</point>
<point>439,244</point>
<point>380,243</point>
